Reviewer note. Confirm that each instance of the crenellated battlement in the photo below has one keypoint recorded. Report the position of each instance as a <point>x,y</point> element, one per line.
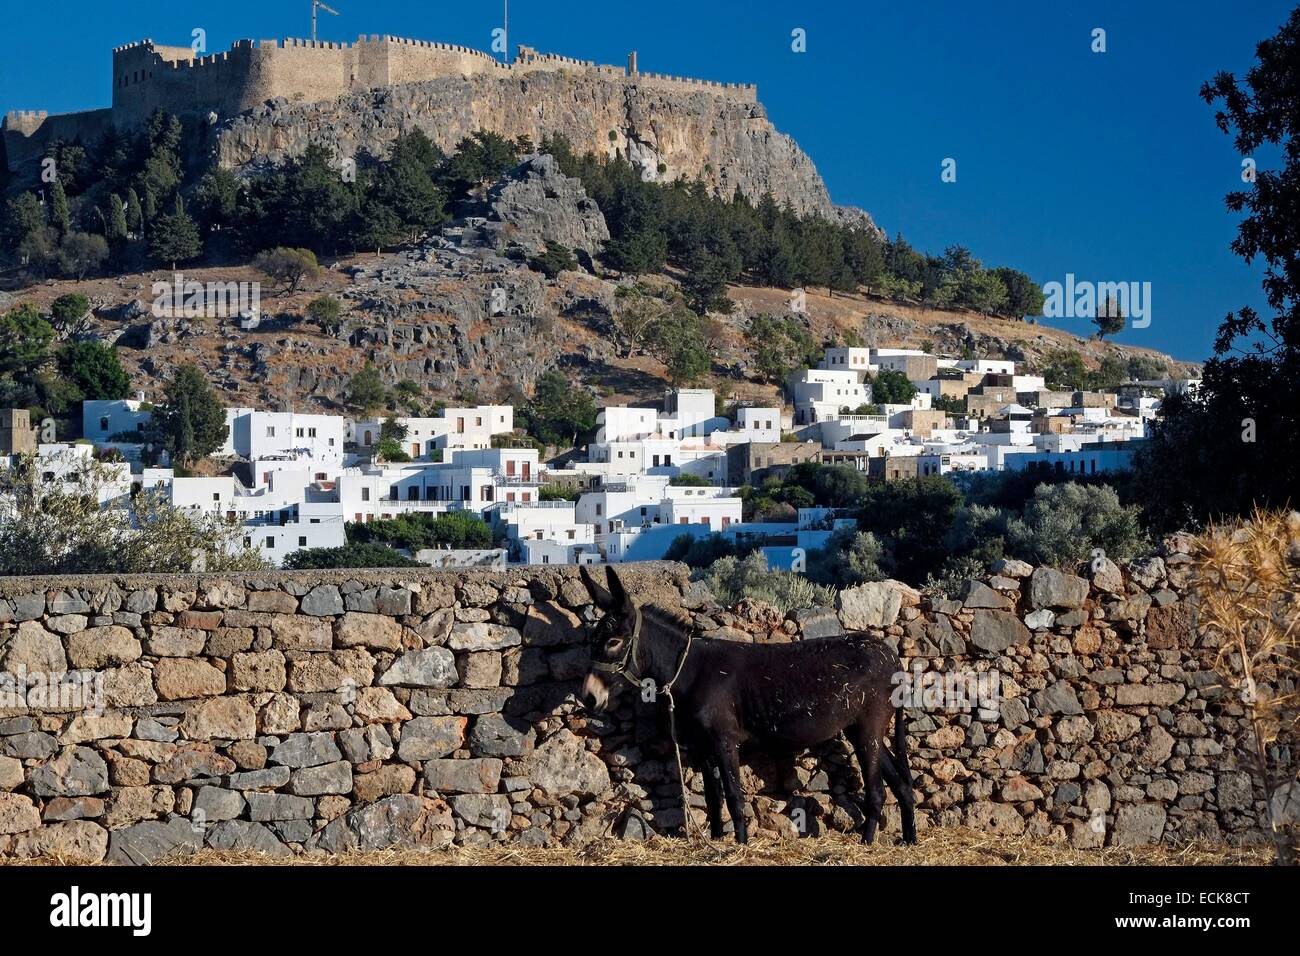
<point>15,117</point>
<point>148,76</point>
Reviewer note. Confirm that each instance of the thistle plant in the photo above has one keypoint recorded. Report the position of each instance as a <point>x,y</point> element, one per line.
<point>1247,599</point>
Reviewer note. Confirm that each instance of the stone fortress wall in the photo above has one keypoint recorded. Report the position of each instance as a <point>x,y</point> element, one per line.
<point>291,712</point>
<point>149,76</point>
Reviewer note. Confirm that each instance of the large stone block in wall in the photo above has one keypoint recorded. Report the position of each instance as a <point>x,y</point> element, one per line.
<point>403,820</point>
<point>276,602</point>
<point>175,641</point>
<point>549,624</point>
<point>328,778</point>
<point>316,673</point>
<point>99,647</point>
<point>195,761</point>
<point>384,782</point>
<point>73,843</point>
<point>430,667</point>
<point>35,650</point>
<point>995,631</point>
<point>261,670</point>
<point>75,772</point>
<point>305,750</point>
<point>129,686</point>
<point>1138,825</point>
<point>562,765</point>
<point>483,636</point>
<point>1002,819</point>
<point>426,738</point>
<point>228,718</point>
<point>481,775</point>
<point>323,600</point>
<point>1050,588</point>
<point>293,633</point>
<point>17,814</point>
<point>153,840</point>
<point>491,811</point>
<point>355,629</point>
<point>178,678</point>
<point>875,604</point>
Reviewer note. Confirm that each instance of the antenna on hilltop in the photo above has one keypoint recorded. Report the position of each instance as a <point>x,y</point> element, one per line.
<point>319,5</point>
<point>505,30</point>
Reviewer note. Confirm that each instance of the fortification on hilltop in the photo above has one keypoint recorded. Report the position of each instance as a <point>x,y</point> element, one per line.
<point>148,76</point>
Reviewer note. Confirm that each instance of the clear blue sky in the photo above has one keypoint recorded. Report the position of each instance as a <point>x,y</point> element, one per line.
<point>1105,165</point>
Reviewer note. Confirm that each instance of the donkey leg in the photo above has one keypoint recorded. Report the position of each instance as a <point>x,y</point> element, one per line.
<point>902,791</point>
<point>713,796</point>
<point>866,744</point>
<point>728,759</point>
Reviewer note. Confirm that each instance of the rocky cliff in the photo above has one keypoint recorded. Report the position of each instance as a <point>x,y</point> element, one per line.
<point>669,134</point>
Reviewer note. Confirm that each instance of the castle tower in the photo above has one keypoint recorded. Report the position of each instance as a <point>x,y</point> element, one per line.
<point>16,434</point>
<point>631,63</point>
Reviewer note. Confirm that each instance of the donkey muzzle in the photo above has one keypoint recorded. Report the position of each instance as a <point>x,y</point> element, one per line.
<point>595,692</point>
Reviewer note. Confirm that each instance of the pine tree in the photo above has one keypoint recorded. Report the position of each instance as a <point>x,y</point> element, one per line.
<point>1110,318</point>
<point>191,421</point>
<point>60,212</point>
<point>116,229</point>
<point>175,237</point>
<point>134,213</point>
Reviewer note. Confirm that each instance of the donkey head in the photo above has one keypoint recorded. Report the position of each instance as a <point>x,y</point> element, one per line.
<point>613,650</point>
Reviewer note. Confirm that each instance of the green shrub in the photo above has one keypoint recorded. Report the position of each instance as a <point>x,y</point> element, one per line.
<point>732,579</point>
<point>849,558</point>
<point>554,260</point>
<point>558,493</point>
<point>1062,525</point>
<point>348,556</point>
<point>387,449</point>
<point>452,529</point>
<point>700,551</point>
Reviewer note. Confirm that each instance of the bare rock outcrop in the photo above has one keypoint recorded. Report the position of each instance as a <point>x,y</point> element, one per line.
<point>535,204</point>
<point>728,143</point>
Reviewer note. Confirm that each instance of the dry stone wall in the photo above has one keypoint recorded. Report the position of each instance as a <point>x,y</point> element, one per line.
<point>297,712</point>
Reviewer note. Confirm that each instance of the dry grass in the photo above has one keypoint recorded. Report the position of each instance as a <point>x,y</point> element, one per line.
<point>1246,588</point>
<point>944,847</point>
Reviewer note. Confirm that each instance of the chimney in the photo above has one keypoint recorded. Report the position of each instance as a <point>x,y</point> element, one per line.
<point>631,63</point>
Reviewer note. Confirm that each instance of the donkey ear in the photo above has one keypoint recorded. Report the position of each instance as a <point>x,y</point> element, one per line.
<point>599,596</point>
<point>616,589</point>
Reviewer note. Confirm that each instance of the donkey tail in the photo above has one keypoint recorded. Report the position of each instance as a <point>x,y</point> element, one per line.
<point>900,747</point>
